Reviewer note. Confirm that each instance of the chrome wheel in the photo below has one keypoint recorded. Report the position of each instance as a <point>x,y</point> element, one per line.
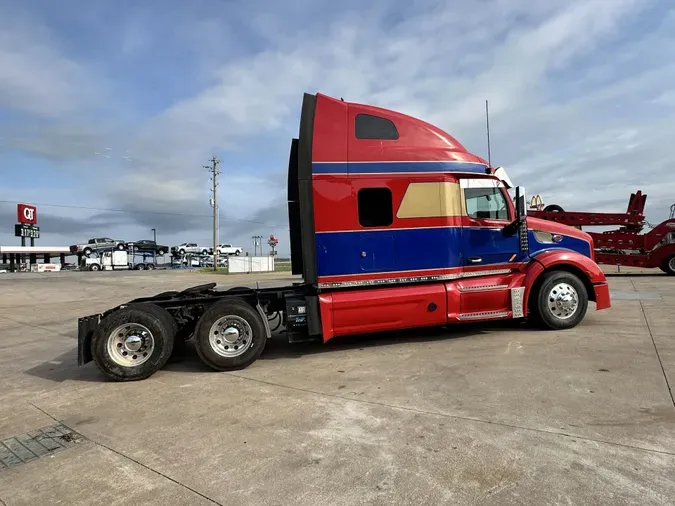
<point>230,336</point>
<point>130,345</point>
<point>671,264</point>
<point>563,301</point>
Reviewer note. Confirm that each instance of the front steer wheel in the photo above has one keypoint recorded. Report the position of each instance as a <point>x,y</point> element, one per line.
<point>134,342</point>
<point>561,301</point>
<point>668,265</point>
<point>230,335</point>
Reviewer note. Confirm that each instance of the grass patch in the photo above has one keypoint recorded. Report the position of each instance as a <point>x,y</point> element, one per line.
<point>209,270</point>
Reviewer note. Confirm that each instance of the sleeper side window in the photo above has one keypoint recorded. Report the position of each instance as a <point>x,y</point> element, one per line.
<point>373,127</point>
<point>375,207</point>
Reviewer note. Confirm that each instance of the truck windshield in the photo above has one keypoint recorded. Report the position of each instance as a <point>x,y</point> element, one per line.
<point>486,203</point>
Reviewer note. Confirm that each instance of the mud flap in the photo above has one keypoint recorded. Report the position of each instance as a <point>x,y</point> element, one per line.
<point>86,326</point>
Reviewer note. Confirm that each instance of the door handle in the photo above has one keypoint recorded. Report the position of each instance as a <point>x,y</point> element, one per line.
<point>475,260</point>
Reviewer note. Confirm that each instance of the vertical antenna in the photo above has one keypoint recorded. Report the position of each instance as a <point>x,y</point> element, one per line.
<point>487,124</point>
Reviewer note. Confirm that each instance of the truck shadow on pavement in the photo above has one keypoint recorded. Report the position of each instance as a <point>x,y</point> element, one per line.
<point>278,346</point>
<point>64,367</point>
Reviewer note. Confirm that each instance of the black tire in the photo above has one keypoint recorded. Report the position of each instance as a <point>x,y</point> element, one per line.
<point>237,253</point>
<point>156,319</point>
<point>87,251</point>
<point>543,316</point>
<point>205,252</point>
<point>94,267</point>
<point>139,267</point>
<point>554,208</point>
<point>668,265</point>
<point>121,246</point>
<point>235,308</point>
<point>150,267</point>
<point>161,252</point>
<point>181,252</point>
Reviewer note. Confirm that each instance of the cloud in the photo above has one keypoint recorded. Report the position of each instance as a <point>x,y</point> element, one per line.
<point>579,91</point>
<point>35,77</point>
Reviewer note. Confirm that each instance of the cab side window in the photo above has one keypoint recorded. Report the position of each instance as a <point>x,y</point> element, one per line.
<point>375,207</point>
<point>486,204</point>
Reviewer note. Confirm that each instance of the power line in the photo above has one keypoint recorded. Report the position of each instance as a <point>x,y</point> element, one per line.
<point>128,211</point>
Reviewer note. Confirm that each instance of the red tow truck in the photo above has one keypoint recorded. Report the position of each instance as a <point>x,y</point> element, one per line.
<point>393,225</point>
<point>627,245</point>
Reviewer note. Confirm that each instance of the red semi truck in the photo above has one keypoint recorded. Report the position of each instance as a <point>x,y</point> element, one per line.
<point>393,225</point>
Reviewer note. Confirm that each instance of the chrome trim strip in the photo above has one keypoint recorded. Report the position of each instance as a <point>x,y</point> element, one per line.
<point>517,296</point>
<point>483,314</point>
<point>413,279</point>
<point>482,288</point>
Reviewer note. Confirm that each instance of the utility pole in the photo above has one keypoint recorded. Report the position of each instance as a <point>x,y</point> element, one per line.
<point>256,239</point>
<point>214,203</point>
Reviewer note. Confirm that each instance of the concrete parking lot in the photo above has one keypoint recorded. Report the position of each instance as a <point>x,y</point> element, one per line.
<point>497,414</point>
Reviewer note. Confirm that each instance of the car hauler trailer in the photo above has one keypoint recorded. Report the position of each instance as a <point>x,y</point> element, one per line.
<point>393,225</point>
<point>626,245</point>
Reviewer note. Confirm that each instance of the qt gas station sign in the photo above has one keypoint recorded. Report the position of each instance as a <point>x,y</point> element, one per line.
<point>26,215</point>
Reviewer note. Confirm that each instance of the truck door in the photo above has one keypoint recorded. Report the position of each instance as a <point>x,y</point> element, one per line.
<point>487,210</point>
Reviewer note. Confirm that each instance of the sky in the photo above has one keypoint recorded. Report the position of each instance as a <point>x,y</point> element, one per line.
<point>110,110</point>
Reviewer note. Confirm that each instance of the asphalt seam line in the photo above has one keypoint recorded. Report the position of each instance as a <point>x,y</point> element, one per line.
<point>658,355</point>
<point>458,417</point>
<point>133,460</point>
<point>39,327</point>
<point>656,350</point>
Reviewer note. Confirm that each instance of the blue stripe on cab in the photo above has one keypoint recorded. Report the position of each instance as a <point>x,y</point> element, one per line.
<point>388,250</point>
<point>373,251</point>
<point>393,167</point>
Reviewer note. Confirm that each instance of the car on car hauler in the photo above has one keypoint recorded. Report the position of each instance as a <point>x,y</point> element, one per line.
<point>393,225</point>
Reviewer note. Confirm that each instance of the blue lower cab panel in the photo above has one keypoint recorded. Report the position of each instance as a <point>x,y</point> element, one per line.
<point>364,251</point>
<point>389,250</point>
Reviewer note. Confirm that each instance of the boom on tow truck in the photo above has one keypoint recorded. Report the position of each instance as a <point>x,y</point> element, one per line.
<point>393,225</point>
<point>626,245</point>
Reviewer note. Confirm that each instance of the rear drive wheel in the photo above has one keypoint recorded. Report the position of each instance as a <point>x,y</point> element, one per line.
<point>134,342</point>
<point>230,335</point>
<point>150,267</point>
<point>561,302</point>
<point>668,265</point>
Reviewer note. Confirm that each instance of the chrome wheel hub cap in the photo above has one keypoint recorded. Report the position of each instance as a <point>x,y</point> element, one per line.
<point>671,264</point>
<point>563,301</point>
<point>230,336</point>
<point>130,345</point>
